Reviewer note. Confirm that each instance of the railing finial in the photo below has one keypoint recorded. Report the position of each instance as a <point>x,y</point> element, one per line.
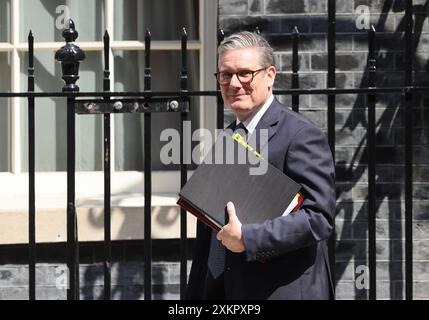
<point>70,33</point>
<point>69,56</point>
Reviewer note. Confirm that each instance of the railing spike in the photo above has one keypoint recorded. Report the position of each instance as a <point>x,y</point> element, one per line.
<point>220,35</point>
<point>295,30</point>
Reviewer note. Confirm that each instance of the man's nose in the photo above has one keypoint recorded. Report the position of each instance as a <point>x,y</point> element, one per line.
<point>234,81</point>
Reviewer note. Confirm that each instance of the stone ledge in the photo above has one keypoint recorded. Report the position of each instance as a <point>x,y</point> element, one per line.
<point>127,218</point>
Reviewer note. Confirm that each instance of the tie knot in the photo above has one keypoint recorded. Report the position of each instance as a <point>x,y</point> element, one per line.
<point>241,127</point>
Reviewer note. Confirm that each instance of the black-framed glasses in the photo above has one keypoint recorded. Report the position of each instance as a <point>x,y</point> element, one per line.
<point>244,76</point>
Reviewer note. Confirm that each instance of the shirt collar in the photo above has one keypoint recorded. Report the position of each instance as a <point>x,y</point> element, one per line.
<point>251,124</point>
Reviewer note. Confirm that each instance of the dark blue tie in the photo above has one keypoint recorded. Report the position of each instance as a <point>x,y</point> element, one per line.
<point>241,129</point>
<point>216,261</point>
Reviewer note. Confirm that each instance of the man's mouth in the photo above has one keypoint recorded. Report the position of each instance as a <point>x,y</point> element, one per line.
<point>237,96</point>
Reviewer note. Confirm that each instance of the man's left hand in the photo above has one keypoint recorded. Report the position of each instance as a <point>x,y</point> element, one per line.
<point>230,234</point>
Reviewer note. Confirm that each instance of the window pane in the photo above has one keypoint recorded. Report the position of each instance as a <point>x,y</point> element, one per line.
<point>4,113</point>
<point>129,131</point>
<point>50,115</point>
<point>4,20</point>
<point>46,18</point>
<point>164,18</point>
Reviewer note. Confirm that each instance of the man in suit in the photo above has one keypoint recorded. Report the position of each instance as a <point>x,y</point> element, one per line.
<point>287,257</point>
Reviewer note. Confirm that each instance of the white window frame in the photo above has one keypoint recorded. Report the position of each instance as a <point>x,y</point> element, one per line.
<point>91,183</point>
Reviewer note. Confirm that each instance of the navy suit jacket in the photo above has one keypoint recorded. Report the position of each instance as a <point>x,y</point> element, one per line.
<point>287,257</point>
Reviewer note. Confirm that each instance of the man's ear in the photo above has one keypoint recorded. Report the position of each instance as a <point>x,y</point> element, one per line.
<point>271,74</point>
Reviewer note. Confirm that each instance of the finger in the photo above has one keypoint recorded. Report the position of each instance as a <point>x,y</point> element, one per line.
<point>219,235</point>
<point>232,214</point>
<point>231,209</point>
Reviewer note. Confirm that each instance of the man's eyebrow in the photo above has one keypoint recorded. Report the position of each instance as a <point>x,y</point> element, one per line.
<point>239,70</point>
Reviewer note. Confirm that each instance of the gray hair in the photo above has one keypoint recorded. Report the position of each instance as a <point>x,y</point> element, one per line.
<point>246,39</point>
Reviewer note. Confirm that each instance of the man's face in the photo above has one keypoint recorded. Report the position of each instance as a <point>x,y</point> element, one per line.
<point>245,99</point>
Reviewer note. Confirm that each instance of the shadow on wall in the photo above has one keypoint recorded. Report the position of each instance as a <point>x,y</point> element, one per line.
<point>390,151</point>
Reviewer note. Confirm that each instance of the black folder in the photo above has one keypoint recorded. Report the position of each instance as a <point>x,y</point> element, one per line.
<point>222,177</point>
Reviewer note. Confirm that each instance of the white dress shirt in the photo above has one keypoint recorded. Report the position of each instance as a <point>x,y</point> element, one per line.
<point>251,123</point>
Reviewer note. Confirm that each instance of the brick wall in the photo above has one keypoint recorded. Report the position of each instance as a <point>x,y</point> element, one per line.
<point>275,19</point>
<point>127,281</point>
<point>127,271</point>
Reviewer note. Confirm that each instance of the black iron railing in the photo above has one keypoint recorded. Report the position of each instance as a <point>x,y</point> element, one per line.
<point>107,189</point>
<point>148,101</point>
<point>331,110</point>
